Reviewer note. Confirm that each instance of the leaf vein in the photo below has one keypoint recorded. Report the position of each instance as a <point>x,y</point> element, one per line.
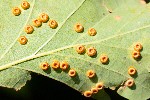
<point>7,50</point>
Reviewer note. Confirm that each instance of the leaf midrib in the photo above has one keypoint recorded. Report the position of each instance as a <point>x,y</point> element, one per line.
<point>62,48</point>
<point>86,61</point>
<point>66,47</point>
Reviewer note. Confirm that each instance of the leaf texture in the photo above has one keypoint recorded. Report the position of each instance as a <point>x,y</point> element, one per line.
<point>119,24</point>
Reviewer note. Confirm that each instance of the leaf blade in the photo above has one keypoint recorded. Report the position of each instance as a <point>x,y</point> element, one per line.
<point>115,30</point>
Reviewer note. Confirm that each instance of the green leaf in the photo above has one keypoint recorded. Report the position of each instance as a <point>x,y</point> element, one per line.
<point>101,95</point>
<point>14,78</point>
<point>119,24</point>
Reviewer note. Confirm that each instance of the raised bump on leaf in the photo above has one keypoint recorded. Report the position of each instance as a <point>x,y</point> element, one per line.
<point>44,66</point>
<point>53,24</point>
<point>129,83</point>
<point>78,28</point>
<point>131,71</point>
<point>100,85</point>
<point>55,64</point>
<point>91,51</point>
<point>104,58</point>
<point>138,47</point>
<point>64,65</point>
<point>37,23</point>
<point>25,5</point>
<point>72,73</point>
<point>16,11</point>
<point>22,40</point>
<point>87,93</point>
<point>94,90</point>
<point>136,54</point>
<point>80,49</point>
<point>92,32</point>
<point>29,29</point>
<point>44,17</point>
<point>90,73</point>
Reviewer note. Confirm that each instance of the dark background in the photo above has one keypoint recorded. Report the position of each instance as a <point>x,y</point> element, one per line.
<point>44,88</point>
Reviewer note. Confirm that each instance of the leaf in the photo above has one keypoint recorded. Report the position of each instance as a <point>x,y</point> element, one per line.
<point>101,95</point>
<point>14,78</point>
<point>119,24</point>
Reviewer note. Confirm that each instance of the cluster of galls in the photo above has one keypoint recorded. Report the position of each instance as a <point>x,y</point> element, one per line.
<point>79,28</point>
<point>72,73</point>
<point>99,86</point>
<point>42,18</point>
<point>132,71</point>
<point>56,65</point>
<point>137,49</point>
<point>91,51</point>
<point>94,90</point>
<point>17,11</point>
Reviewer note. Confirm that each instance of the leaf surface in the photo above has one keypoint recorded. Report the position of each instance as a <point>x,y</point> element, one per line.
<point>14,78</point>
<point>119,24</point>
